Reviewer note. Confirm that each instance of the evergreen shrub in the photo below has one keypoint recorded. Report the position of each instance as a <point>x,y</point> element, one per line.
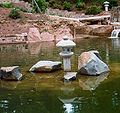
<point>92,10</point>
<point>14,14</point>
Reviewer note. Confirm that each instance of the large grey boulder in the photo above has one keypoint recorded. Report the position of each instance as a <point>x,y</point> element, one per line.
<point>90,63</point>
<point>45,66</point>
<point>11,73</point>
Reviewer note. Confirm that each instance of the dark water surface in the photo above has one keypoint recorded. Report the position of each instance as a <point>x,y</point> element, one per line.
<point>47,93</point>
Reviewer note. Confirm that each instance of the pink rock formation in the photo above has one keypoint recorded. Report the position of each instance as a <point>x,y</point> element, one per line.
<point>83,59</point>
<point>34,35</point>
<point>45,36</point>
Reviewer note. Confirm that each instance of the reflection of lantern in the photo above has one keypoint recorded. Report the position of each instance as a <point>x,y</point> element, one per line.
<point>106,4</point>
<point>66,53</point>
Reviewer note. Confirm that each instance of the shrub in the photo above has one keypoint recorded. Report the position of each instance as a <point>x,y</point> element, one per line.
<point>51,2</point>
<point>14,14</point>
<point>1,4</point>
<point>67,6</point>
<point>8,5</point>
<point>24,10</point>
<point>92,10</point>
<point>43,5</point>
<point>56,6</point>
<point>113,3</point>
<point>80,5</point>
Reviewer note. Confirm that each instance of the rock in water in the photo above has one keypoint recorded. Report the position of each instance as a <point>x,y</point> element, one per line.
<point>70,76</point>
<point>45,66</point>
<point>90,63</point>
<point>11,73</point>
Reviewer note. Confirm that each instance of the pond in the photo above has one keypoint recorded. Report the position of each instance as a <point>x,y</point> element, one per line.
<point>48,93</point>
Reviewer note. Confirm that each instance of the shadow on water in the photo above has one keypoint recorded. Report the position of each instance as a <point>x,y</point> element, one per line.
<point>47,93</point>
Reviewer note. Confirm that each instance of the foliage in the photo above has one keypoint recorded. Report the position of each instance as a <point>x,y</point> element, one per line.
<point>56,6</point>
<point>101,2</point>
<point>51,2</point>
<point>1,4</point>
<point>6,4</point>
<point>92,10</point>
<point>43,5</point>
<point>52,14</point>
<point>80,5</point>
<point>67,6</point>
<point>14,14</point>
<point>23,10</point>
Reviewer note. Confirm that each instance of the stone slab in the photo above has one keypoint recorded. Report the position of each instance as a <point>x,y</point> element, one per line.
<point>70,76</point>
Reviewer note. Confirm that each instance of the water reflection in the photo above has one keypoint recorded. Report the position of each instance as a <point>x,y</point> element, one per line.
<point>9,84</point>
<point>112,50</point>
<point>4,104</point>
<point>91,82</point>
<point>32,48</point>
<point>46,92</point>
<point>68,108</point>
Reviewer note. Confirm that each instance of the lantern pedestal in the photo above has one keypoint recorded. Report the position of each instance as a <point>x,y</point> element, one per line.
<point>67,64</point>
<point>66,60</point>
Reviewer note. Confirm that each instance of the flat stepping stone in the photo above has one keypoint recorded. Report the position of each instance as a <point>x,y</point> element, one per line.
<point>45,66</point>
<point>70,76</point>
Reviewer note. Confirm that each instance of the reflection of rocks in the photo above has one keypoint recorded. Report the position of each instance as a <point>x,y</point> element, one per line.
<point>91,82</point>
<point>11,73</point>
<point>15,47</point>
<point>45,66</point>
<point>90,63</point>
<point>36,48</point>
<point>9,84</point>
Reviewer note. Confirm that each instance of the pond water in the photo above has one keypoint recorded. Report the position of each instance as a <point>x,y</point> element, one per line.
<point>47,93</point>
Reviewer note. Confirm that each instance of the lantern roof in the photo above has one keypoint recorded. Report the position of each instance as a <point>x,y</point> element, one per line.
<point>106,2</point>
<point>65,42</point>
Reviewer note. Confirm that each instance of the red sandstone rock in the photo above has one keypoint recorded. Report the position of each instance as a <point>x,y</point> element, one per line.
<point>83,59</point>
<point>101,29</point>
<point>45,36</point>
<point>34,35</point>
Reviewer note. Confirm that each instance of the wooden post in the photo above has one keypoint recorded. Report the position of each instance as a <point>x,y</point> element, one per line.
<point>38,6</point>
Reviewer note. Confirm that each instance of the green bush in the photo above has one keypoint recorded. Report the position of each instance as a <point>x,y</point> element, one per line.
<point>100,2</point>
<point>67,6</point>
<point>14,14</point>
<point>52,2</point>
<point>56,6</point>
<point>8,5</point>
<point>92,10</point>
<point>43,5</point>
<point>24,10</point>
<point>1,4</point>
<point>80,5</point>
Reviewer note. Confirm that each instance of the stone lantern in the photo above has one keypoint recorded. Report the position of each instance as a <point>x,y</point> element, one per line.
<point>106,4</point>
<point>66,53</point>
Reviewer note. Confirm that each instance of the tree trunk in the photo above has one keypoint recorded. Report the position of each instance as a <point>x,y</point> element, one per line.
<point>119,3</point>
